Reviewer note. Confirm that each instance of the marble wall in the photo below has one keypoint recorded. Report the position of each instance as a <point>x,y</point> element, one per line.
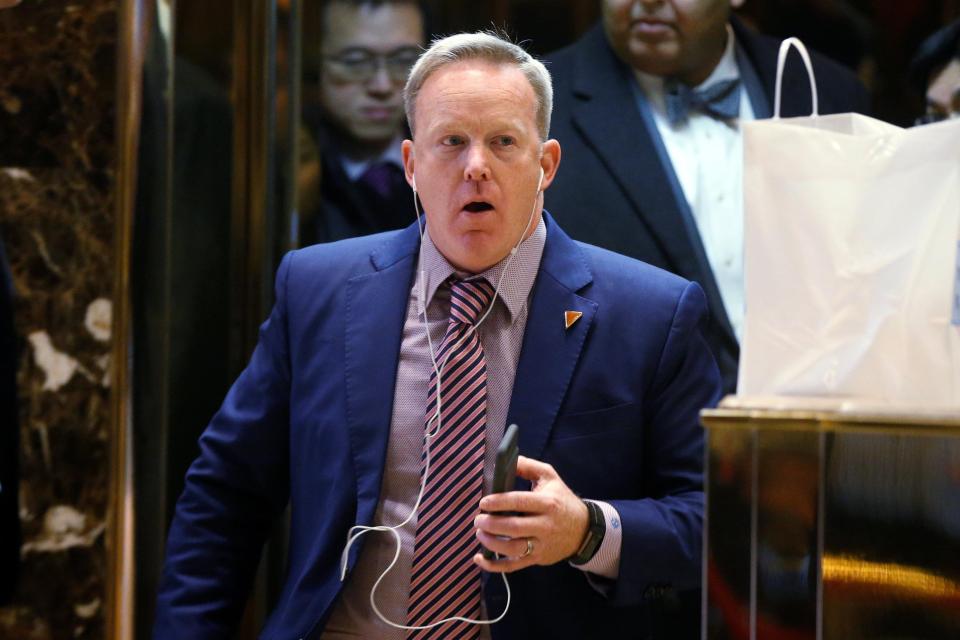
<point>57,93</point>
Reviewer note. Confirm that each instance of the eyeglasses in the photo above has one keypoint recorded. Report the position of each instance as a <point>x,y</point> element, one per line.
<point>357,64</point>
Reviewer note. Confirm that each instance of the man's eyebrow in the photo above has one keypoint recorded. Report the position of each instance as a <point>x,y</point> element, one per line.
<point>440,125</point>
<point>356,48</point>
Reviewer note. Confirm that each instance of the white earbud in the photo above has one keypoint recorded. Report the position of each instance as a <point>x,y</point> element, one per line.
<point>540,183</point>
<point>422,289</point>
<point>413,182</point>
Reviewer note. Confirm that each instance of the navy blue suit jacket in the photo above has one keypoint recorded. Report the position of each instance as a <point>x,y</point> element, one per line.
<point>613,190</point>
<point>612,403</point>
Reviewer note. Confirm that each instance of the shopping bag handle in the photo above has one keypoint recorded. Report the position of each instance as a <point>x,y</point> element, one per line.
<point>781,64</point>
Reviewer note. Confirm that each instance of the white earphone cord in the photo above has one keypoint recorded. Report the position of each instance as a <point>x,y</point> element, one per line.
<point>360,530</point>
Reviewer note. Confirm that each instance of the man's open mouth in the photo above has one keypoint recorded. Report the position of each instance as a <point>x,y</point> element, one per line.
<point>478,206</point>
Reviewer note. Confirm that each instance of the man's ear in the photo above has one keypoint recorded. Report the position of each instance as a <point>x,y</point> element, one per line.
<point>549,162</point>
<point>406,151</point>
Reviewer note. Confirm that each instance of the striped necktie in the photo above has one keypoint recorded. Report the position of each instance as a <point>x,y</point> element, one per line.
<point>444,581</point>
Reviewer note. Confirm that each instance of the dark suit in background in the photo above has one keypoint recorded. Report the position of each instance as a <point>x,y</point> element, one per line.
<point>616,187</point>
<point>9,438</point>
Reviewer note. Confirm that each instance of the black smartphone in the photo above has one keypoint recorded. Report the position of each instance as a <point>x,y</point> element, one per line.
<point>505,470</point>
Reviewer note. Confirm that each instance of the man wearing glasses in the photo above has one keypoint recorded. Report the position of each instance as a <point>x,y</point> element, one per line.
<point>357,122</point>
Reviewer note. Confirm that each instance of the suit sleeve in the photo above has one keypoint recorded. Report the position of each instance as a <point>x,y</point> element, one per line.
<point>661,534</point>
<point>234,490</point>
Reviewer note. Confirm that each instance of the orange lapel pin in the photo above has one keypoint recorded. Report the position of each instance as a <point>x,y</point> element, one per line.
<point>570,317</point>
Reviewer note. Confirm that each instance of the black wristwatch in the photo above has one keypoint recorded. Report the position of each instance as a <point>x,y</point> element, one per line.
<point>595,531</point>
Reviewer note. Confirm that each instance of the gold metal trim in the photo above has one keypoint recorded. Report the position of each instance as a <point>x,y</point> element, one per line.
<point>828,415</point>
<point>251,167</point>
<point>829,421</point>
<point>890,579</point>
<point>134,18</point>
<point>251,235</point>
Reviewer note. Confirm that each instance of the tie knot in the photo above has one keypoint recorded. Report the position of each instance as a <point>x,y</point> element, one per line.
<point>469,299</point>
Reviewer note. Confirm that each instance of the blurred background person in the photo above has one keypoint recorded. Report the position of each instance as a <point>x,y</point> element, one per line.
<point>935,71</point>
<point>649,105</point>
<point>351,176</point>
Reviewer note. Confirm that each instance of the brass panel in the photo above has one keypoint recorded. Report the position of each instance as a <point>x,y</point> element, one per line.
<point>891,564</point>
<point>266,62</point>
<point>788,479</point>
<point>134,19</point>
<point>735,413</point>
<point>855,526</point>
<point>254,169</point>
<point>727,530</point>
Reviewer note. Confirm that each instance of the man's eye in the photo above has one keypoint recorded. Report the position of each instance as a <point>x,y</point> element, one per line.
<point>453,141</point>
<point>405,58</point>
<point>353,58</point>
<point>354,63</point>
<point>505,141</point>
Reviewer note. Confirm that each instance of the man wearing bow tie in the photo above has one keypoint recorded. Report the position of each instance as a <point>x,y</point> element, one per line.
<point>648,110</point>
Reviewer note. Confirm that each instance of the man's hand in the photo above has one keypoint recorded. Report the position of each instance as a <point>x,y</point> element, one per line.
<point>552,525</point>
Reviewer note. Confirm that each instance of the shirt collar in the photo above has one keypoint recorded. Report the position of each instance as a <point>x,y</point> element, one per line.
<point>726,69</point>
<point>517,281</point>
<point>392,154</point>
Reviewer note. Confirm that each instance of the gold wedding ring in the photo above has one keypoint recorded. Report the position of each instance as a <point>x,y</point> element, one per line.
<point>529,549</point>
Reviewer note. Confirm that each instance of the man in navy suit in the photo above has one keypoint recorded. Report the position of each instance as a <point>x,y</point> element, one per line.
<point>648,110</point>
<point>387,373</point>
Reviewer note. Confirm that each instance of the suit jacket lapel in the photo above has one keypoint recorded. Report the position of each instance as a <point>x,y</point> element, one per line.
<point>376,305</point>
<point>550,351</point>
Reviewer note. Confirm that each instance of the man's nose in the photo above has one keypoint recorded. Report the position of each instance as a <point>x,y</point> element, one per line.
<point>380,82</point>
<point>477,168</point>
<point>638,7</point>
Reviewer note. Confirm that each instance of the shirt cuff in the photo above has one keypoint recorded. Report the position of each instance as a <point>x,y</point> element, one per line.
<point>606,561</point>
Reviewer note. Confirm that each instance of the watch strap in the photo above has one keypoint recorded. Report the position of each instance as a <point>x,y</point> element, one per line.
<point>596,528</point>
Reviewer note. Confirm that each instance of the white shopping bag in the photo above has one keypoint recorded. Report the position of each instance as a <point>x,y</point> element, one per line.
<point>851,261</point>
